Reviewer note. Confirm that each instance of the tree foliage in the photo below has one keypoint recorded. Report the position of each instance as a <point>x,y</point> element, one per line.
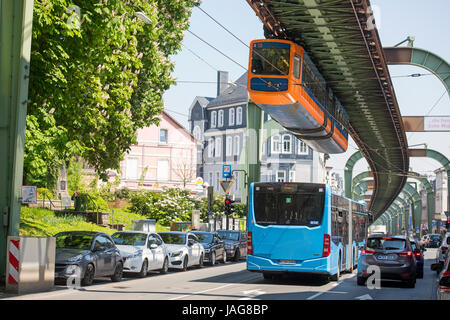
<point>95,80</point>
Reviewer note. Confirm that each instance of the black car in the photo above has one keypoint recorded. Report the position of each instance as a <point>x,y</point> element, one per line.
<point>235,243</point>
<point>214,247</point>
<point>418,251</point>
<point>435,241</point>
<point>394,257</point>
<point>86,255</point>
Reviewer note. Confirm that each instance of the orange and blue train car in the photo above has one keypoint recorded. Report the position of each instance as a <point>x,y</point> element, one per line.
<point>284,83</point>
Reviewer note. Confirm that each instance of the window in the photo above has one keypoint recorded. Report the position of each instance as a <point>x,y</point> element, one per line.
<point>163,170</point>
<point>231,117</point>
<point>275,144</point>
<point>163,136</point>
<point>229,147</point>
<point>213,119</point>
<point>197,133</point>
<point>269,60</point>
<point>302,148</point>
<point>132,168</point>
<point>236,145</point>
<point>218,147</point>
<point>281,176</point>
<point>287,142</point>
<point>210,147</point>
<point>297,66</point>
<point>220,119</point>
<point>291,176</point>
<point>239,115</point>
<point>217,181</point>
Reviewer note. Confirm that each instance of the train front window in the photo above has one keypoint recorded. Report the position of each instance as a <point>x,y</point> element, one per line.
<point>303,205</point>
<point>271,59</point>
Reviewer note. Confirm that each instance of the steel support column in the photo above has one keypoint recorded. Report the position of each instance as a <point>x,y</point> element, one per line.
<point>16,18</point>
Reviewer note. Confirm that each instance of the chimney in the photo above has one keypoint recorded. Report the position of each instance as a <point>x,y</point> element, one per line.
<point>222,81</point>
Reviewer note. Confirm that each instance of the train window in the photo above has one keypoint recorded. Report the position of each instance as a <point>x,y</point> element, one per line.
<point>270,61</point>
<point>297,66</point>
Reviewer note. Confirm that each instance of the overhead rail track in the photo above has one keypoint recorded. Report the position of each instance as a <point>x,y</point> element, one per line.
<point>343,42</point>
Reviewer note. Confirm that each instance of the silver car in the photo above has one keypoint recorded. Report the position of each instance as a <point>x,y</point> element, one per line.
<point>185,249</point>
<point>142,251</point>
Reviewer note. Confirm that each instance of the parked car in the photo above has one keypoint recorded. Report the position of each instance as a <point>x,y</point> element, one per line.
<point>442,251</point>
<point>393,255</point>
<point>142,251</point>
<point>184,248</point>
<point>87,255</point>
<point>213,245</point>
<point>235,243</point>
<point>418,251</point>
<point>443,286</point>
<point>435,241</point>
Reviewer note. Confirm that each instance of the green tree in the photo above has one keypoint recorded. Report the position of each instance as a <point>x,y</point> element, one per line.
<point>95,80</point>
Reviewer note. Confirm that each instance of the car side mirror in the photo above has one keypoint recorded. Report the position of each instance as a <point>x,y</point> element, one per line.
<point>190,243</point>
<point>153,246</point>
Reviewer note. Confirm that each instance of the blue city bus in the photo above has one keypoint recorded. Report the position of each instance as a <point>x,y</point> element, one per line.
<point>303,228</point>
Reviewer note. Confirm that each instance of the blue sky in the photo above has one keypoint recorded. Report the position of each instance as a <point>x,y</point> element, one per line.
<point>427,21</point>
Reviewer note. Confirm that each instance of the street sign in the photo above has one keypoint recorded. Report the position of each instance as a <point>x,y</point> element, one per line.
<point>199,180</point>
<point>226,171</point>
<point>29,194</point>
<point>226,185</point>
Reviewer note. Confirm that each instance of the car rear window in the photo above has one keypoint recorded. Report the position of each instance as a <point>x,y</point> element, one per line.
<point>386,243</point>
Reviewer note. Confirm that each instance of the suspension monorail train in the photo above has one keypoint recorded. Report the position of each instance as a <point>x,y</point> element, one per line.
<point>284,82</point>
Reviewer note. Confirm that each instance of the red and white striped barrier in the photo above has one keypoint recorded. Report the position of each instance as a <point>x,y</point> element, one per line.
<point>13,261</point>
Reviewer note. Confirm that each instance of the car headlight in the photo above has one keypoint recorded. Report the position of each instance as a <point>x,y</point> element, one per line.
<point>176,254</point>
<point>76,258</point>
<point>135,255</point>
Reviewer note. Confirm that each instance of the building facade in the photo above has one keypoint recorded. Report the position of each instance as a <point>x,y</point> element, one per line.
<point>221,125</point>
<point>165,156</point>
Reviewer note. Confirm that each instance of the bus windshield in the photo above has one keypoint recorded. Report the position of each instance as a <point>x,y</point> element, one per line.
<point>271,58</point>
<point>289,204</point>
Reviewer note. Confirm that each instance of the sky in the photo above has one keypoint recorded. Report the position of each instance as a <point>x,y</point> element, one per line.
<point>196,65</point>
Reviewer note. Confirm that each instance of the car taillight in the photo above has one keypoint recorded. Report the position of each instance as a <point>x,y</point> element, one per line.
<point>249,243</point>
<point>444,249</point>
<point>326,245</point>
<point>367,252</point>
<point>417,254</point>
<point>406,253</point>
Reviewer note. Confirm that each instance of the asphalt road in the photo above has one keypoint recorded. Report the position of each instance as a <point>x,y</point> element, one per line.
<point>233,282</point>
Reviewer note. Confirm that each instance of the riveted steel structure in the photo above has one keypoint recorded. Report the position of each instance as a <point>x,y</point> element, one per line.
<point>343,42</point>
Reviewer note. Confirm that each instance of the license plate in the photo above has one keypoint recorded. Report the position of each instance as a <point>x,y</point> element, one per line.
<point>287,261</point>
<point>386,257</point>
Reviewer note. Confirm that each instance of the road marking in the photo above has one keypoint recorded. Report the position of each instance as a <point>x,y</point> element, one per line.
<point>316,295</point>
<point>248,293</point>
<point>364,297</point>
<point>200,292</point>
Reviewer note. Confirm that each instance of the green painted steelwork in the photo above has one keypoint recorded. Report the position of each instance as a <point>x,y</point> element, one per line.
<point>420,58</point>
<point>16,18</point>
<point>348,173</point>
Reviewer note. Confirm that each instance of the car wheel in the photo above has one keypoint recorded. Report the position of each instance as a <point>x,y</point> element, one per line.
<point>185,264</point>
<point>360,281</point>
<point>224,257</point>
<point>88,275</point>
<point>237,255</point>
<point>200,262</point>
<point>118,272</point>
<point>213,258</point>
<point>165,267</point>
<point>144,269</point>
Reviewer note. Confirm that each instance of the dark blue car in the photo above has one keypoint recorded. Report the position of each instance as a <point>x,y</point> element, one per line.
<point>85,255</point>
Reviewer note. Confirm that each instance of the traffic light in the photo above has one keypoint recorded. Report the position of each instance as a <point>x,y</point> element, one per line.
<point>229,206</point>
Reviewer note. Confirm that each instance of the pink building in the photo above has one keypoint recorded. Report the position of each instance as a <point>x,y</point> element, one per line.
<point>165,156</point>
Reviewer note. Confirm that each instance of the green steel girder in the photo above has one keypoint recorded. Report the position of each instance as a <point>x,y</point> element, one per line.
<point>420,58</point>
<point>350,58</point>
<point>417,204</point>
<point>430,196</point>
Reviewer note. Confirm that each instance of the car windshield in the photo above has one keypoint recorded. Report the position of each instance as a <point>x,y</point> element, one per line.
<point>129,239</point>
<point>229,235</point>
<point>386,243</point>
<point>204,237</point>
<point>74,240</point>
<point>173,238</point>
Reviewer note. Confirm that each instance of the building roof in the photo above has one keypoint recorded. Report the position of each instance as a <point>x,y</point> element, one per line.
<point>235,93</point>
